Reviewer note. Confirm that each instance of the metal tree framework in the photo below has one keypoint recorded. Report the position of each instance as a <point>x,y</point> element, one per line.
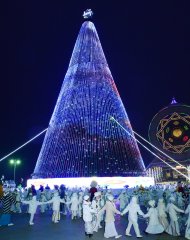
<point>81,141</point>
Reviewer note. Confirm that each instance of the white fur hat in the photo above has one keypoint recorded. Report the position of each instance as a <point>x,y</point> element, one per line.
<point>172,199</point>
<point>134,199</point>
<point>151,203</point>
<point>110,197</point>
<point>56,193</point>
<point>86,197</point>
<point>34,197</point>
<point>96,194</point>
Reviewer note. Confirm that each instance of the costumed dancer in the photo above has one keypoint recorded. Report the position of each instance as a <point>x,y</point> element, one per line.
<point>56,200</point>
<point>67,199</point>
<point>48,194</point>
<point>123,199</point>
<point>110,230</point>
<point>97,206</point>
<point>17,206</point>
<point>18,202</point>
<point>173,228</point>
<point>43,199</point>
<point>162,216</point>
<point>33,204</point>
<point>74,205</point>
<point>187,231</point>
<point>102,204</point>
<point>88,212</point>
<point>154,226</point>
<point>180,200</point>
<point>80,204</point>
<point>134,209</point>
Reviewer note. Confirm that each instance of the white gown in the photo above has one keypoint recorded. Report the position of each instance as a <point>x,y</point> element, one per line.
<point>162,216</point>
<point>154,226</point>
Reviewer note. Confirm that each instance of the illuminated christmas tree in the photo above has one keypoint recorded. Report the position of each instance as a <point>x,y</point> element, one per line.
<point>81,141</point>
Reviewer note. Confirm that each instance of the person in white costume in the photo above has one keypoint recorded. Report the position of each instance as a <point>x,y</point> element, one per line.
<point>67,199</point>
<point>56,200</point>
<point>173,228</point>
<point>134,209</point>
<point>33,204</point>
<point>110,209</point>
<point>187,231</point>
<point>102,204</point>
<point>123,200</point>
<point>74,205</point>
<point>43,199</point>
<point>180,200</point>
<point>88,212</point>
<point>96,204</point>
<point>162,216</point>
<point>154,226</point>
<point>80,204</point>
<point>18,201</point>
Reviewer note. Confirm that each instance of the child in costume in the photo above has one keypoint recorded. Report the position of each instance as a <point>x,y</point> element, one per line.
<point>56,200</point>
<point>162,216</point>
<point>172,209</point>
<point>154,226</point>
<point>134,209</point>
<point>96,205</point>
<point>88,212</point>
<point>33,204</point>
<point>110,230</point>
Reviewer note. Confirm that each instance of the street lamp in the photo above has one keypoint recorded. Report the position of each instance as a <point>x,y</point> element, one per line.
<point>15,162</point>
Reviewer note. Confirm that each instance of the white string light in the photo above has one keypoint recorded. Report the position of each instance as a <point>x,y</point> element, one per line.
<point>23,145</point>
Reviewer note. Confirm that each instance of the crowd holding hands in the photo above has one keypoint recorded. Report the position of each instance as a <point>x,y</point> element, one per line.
<point>159,206</point>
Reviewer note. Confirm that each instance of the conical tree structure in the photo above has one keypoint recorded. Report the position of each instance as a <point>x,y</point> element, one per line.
<point>81,141</point>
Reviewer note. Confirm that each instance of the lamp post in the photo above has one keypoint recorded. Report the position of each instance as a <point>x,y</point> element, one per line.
<point>15,162</point>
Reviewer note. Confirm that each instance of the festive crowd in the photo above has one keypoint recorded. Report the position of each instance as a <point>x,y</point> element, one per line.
<point>165,208</point>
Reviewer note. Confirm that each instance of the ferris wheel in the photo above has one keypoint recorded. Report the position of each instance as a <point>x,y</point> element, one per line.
<point>169,131</point>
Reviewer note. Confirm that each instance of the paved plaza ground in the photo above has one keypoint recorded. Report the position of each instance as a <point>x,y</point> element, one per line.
<point>66,229</point>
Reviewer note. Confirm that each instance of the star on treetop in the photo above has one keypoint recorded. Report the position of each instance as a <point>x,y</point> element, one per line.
<point>87,14</point>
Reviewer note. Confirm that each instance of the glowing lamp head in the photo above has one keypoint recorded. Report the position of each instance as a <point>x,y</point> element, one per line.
<point>18,162</point>
<point>12,161</point>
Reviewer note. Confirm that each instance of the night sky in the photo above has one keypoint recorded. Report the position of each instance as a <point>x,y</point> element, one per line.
<point>146,44</point>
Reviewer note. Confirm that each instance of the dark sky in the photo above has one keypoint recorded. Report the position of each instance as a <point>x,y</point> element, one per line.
<point>146,44</point>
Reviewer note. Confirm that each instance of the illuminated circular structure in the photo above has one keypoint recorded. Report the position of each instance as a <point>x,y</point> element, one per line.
<point>169,131</point>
